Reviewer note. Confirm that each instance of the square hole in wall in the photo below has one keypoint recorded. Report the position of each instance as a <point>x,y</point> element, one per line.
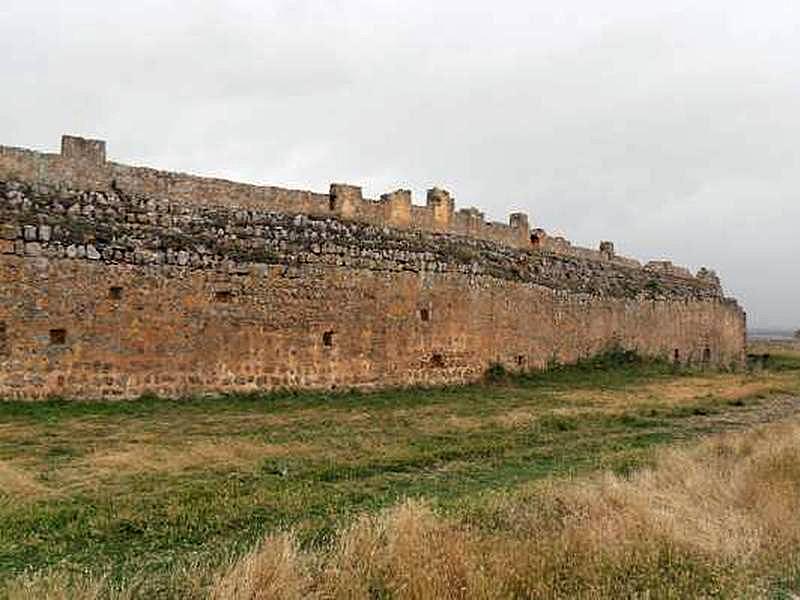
<point>58,337</point>
<point>115,292</point>
<point>521,360</point>
<point>327,339</point>
<point>223,296</point>
<point>437,361</point>
<point>424,314</point>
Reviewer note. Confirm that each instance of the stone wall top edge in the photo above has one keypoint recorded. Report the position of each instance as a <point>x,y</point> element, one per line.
<point>435,217</point>
<point>115,166</point>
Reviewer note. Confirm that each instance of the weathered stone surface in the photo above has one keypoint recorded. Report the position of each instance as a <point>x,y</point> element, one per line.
<point>174,292</point>
<point>9,231</point>
<point>208,237</point>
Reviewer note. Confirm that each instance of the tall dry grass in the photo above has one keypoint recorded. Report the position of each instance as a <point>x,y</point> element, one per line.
<point>717,519</point>
<point>720,518</point>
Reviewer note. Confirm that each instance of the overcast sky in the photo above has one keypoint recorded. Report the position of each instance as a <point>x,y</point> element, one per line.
<point>671,127</point>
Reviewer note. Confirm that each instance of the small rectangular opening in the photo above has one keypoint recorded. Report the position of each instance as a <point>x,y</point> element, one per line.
<point>521,360</point>
<point>58,337</point>
<point>676,356</point>
<point>327,339</point>
<point>437,361</point>
<point>4,350</point>
<point>223,296</point>
<point>707,355</point>
<point>424,315</point>
<point>115,292</point>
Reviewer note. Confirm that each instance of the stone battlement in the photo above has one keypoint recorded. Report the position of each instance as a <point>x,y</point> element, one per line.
<point>82,164</point>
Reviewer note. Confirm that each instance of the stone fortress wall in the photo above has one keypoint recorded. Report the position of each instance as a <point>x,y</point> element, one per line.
<point>119,280</point>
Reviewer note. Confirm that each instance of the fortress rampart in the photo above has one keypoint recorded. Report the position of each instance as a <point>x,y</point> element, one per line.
<point>118,280</point>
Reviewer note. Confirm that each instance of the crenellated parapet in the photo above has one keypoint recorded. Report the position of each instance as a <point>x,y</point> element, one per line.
<point>82,164</point>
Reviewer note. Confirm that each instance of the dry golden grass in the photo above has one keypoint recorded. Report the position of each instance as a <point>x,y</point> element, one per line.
<point>716,518</point>
<point>55,586</point>
<point>18,482</point>
<point>151,454</point>
<point>206,454</point>
<point>274,570</point>
<point>682,391</point>
<point>725,387</point>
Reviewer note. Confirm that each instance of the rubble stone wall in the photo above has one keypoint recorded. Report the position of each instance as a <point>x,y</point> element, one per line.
<point>114,290</point>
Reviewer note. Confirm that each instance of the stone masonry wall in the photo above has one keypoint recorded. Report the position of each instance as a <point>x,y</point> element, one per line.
<point>109,292</point>
<point>82,165</point>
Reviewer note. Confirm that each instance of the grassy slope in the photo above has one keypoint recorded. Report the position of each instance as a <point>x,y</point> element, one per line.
<point>147,489</point>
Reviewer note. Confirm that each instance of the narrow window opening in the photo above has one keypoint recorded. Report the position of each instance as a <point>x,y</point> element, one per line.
<point>437,360</point>
<point>676,356</point>
<point>115,293</point>
<point>707,355</point>
<point>223,296</point>
<point>327,339</point>
<point>424,314</point>
<point>58,337</point>
<point>4,350</point>
<point>332,203</point>
<point>520,360</point>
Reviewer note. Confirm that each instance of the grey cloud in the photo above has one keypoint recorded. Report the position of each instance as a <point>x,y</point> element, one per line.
<point>669,127</point>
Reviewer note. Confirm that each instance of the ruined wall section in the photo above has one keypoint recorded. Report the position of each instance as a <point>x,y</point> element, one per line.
<point>118,228</point>
<point>82,164</point>
<point>113,294</point>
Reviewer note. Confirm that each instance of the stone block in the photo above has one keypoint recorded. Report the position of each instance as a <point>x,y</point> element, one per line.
<point>9,232</point>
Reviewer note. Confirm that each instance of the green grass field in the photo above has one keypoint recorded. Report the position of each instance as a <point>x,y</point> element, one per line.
<point>141,492</point>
